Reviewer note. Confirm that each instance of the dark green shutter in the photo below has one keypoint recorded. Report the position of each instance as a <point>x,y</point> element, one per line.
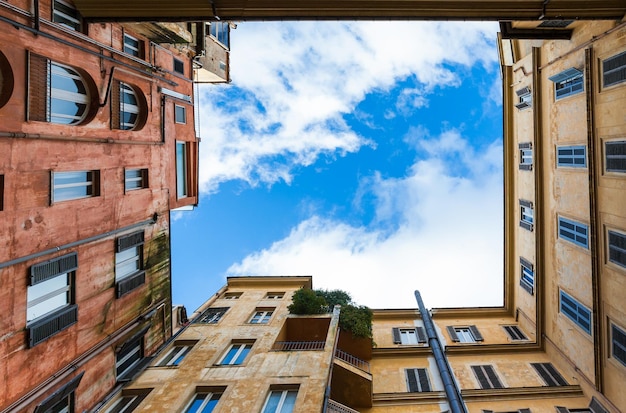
<point>476,333</point>
<point>50,269</point>
<point>129,241</point>
<point>412,380</point>
<point>421,334</point>
<point>59,395</point>
<point>482,378</point>
<point>396,335</point>
<point>422,375</point>
<point>452,333</point>
<point>493,377</point>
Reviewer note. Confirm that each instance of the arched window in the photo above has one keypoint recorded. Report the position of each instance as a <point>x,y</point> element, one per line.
<point>68,99</point>
<point>58,93</point>
<point>129,107</point>
<point>6,80</point>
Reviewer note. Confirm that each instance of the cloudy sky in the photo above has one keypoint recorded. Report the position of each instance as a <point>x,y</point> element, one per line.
<point>365,154</point>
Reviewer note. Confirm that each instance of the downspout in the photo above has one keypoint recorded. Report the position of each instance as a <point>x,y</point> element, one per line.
<point>25,258</point>
<point>453,393</point>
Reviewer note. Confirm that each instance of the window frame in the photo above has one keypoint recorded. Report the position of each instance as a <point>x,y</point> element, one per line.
<point>284,393</point>
<point>244,347</point>
<point>421,380</point>
<point>474,335</point>
<point>125,282</point>
<point>569,82</point>
<point>217,32</point>
<point>72,22</point>
<point>562,157</point>
<point>515,333</point>
<point>64,394</point>
<point>127,107</point>
<point>178,66</point>
<point>549,374</point>
<point>131,49</point>
<point>619,69</point>
<point>262,314</point>
<point>274,295</point>
<point>132,349</point>
<point>214,314</point>
<point>527,276</point>
<point>208,397</point>
<point>128,401</point>
<point>575,311</point>
<point>140,177</point>
<point>616,254</point>
<point>613,344</point>
<point>525,98</point>
<point>175,355</point>
<point>525,156</point>
<point>232,296</point>
<point>418,332</point>
<point>182,162</point>
<point>575,231</point>
<point>64,71</point>
<point>608,158</point>
<point>526,215</point>
<point>91,184</point>
<point>180,114</point>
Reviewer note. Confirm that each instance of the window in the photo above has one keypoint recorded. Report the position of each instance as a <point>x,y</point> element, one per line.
<point>179,66</point>
<point>549,374</point>
<point>515,333</point>
<point>50,298</point>
<point>203,402</point>
<point>417,380</point>
<point>129,272</point>
<point>527,276</point>
<point>615,156</point>
<point>232,296</point>
<point>575,311</point>
<point>62,400</point>
<point>135,179</point>
<point>274,296</point>
<point>75,185</point>
<point>180,114</point>
<point>129,356</point>
<point>57,93</point>
<point>181,169</point>
<point>571,156</point>
<point>526,215</point>
<point>129,401</point>
<point>614,70</point>
<point>175,355</point>
<point>409,335</point>
<point>574,232</point>
<point>568,82</point>
<point>487,377</point>
<point>525,156</point>
<point>236,354</point>
<point>129,107</point>
<point>132,45</point>
<point>65,14</point>
<point>525,98</point>
<point>212,315</point>
<point>220,31</point>
<point>617,248</point>
<point>618,344</point>
<point>469,334</point>
<point>262,316</point>
<point>280,401</point>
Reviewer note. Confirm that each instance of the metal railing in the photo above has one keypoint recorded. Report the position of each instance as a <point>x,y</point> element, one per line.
<point>354,361</point>
<point>298,345</point>
<point>335,407</point>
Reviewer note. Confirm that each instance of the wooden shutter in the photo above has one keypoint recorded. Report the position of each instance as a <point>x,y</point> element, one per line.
<point>420,332</point>
<point>411,380</point>
<point>596,406</point>
<point>38,88</point>
<point>50,269</point>
<point>417,380</point>
<point>396,335</point>
<point>422,375</point>
<point>549,374</point>
<point>129,241</point>
<point>515,333</point>
<point>493,377</point>
<point>128,284</point>
<point>483,381</point>
<point>614,70</point>
<point>115,104</point>
<point>52,324</point>
<point>452,333</point>
<point>476,333</point>
<point>487,377</point>
<point>59,395</point>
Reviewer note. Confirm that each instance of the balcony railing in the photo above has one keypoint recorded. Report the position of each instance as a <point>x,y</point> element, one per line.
<point>334,407</point>
<point>354,361</point>
<point>298,345</point>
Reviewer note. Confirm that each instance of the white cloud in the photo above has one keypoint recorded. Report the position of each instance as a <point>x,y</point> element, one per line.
<point>448,244</point>
<point>295,81</point>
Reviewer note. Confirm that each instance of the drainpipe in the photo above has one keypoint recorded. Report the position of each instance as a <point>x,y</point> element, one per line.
<point>453,393</point>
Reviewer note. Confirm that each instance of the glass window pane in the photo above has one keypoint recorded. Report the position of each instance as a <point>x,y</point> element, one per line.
<point>272,402</point>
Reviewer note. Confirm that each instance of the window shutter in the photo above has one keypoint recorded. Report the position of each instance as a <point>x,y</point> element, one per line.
<point>423,379</point>
<point>615,154</point>
<point>49,269</point>
<point>476,333</point>
<point>526,286</point>
<point>115,104</point>
<point>128,284</point>
<point>487,411</point>
<point>482,378</point>
<point>421,335</point>
<point>38,88</point>
<point>524,410</point>
<point>129,241</point>
<point>549,374</point>
<point>452,333</point>
<point>59,395</point>
<point>52,324</point>
<point>566,74</point>
<point>596,406</point>
<point>523,91</point>
<point>614,69</point>
<point>396,335</point>
<point>514,332</point>
<point>560,409</point>
<point>525,145</point>
<point>493,377</point>
<point>411,378</point>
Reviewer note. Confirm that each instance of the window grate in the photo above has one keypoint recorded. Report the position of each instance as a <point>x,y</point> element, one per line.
<point>615,156</point>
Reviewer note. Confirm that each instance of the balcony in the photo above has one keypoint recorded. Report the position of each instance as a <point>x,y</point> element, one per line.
<point>353,361</point>
<point>351,382</point>
<point>298,345</point>
<point>336,407</point>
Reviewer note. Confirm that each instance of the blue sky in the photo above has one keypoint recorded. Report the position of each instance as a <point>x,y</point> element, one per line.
<point>365,154</point>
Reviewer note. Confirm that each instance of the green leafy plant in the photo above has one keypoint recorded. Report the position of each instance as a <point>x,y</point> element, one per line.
<point>353,318</point>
